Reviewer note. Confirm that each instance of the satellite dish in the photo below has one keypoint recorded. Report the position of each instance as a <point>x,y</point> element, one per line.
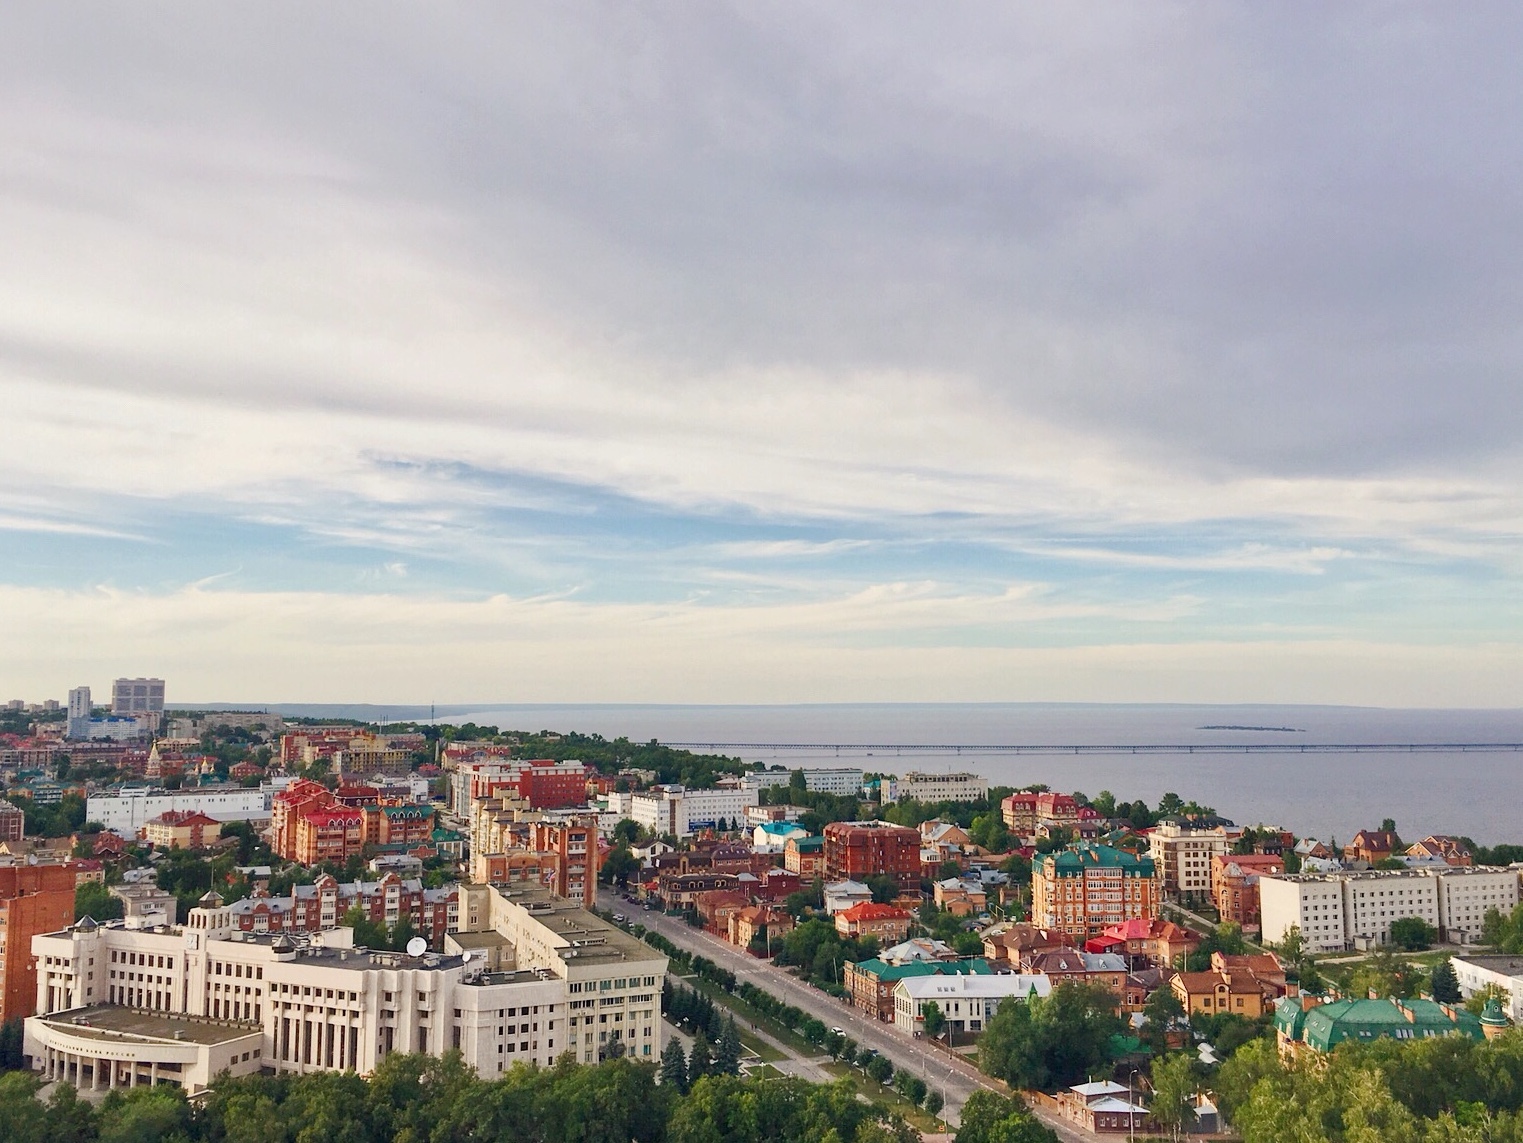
<point>417,946</point>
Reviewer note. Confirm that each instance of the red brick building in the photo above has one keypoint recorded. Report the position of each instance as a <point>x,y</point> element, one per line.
<point>310,823</point>
<point>323,904</point>
<point>33,899</point>
<point>855,851</point>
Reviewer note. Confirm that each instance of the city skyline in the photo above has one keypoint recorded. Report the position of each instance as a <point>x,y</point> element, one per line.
<point>1114,354</point>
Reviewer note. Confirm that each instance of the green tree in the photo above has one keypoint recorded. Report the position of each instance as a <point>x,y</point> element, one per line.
<point>934,1103</point>
<point>1412,934</point>
<point>674,1065</point>
<point>367,933</point>
<point>1162,1009</point>
<point>1174,1087</point>
<point>92,899</point>
<point>1053,1041</point>
<point>991,1118</point>
<point>619,866</point>
<point>700,1061</point>
<point>727,1051</point>
<point>934,1020</point>
<point>884,887</point>
<point>1444,983</point>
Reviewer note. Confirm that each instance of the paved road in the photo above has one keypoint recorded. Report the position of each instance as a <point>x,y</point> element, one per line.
<point>953,1076</point>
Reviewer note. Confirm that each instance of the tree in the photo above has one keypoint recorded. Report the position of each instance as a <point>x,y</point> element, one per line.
<point>700,1061</point>
<point>727,1051</point>
<point>934,1021</point>
<point>880,1070</point>
<point>1163,1008</point>
<point>1412,934</point>
<point>1444,983</point>
<point>1174,1086</point>
<point>934,1103</point>
<point>884,887</point>
<point>1051,1042</point>
<point>626,831</point>
<point>92,899</point>
<point>619,866</point>
<point>367,933</point>
<point>674,1065</point>
<point>991,1118</point>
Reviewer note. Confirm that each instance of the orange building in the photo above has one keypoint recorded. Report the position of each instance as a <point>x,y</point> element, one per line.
<point>1235,885</point>
<point>33,899</point>
<point>1086,890</point>
<point>182,829</point>
<point>804,856</point>
<point>888,924</point>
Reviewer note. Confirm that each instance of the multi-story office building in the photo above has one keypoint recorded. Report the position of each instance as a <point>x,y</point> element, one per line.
<point>1183,850</point>
<point>131,697</point>
<point>857,850</point>
<point>1083,891</point>
<point>536,979</point>
<point>843,781</point>
<point>933,788</point>
<point>33,899</point>
<point>680,810</point>
<point>1336,911</point>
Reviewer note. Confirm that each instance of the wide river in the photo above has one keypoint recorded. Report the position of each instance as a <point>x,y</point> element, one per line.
<point>1322,795</point>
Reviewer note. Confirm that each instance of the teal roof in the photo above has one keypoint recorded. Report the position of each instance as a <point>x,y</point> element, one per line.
<point>782,827</point>
<point>1326,1026</point>
<point>807,844</point>
<point>1102,857</point>
<point>890,973</point>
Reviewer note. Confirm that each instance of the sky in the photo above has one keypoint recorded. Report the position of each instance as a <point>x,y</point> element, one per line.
<point>763,352</point>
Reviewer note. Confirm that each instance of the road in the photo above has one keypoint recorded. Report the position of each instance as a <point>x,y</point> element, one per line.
<point>951,1075</point>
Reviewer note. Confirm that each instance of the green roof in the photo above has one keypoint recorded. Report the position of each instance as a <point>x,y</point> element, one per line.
<point>891,973</point>
<point>807,844</point>
<point>1326,1026</point>
<point>1100,856</point>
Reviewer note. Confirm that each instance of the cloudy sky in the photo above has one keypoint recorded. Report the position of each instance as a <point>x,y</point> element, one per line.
<point>763,353</point>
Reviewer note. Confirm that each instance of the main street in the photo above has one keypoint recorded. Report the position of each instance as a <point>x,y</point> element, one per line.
<point>954,1077</point>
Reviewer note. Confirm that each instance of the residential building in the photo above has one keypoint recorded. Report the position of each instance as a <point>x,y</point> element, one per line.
<point>1086,890</point>
<point>1215,992</point>
<point>1500,971</point>
<point>774,835</point>
<point>132,697</point>
<point>1007,944</point>
<point>1449,850</point>
<point>760,815</point>
<point>1235,885</point>
<point>33,899</point>
<point>1105,1107</point>
<point>12,822</point>
<point>534,978</point>
<point>145,903</point>
<point>1023,811</point>
<point>1372,846</point>
<point>843,781</point>
<point>858,850</point>
<point>1183,850</point>
<point>805,856</point>
<point>1073,966</point>
<point>182,829</point>
<point>968,1002</point>
<point>127,810</point>
<point>762,926</point>
<point>80,713</point>
<point>871,982</point>
<point>310,823</point>
<point>842,895</point>
<point>1355,908</point>
<point>930,788</point>
<point>1308,1023</point>
<point>885,922</point>
<point>960,897</point>
<point>918,949</point>
<point>680,811</point>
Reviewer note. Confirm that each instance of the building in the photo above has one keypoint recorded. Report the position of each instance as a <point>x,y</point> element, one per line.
<point>182,829</point>
<point>1372,846</point>
<point>680,811</point>
<point>1023,811</point>
<point>1308,1023</point>
<point>1105,1107</point>
<point>1086,890</point>
<point>1355,908</point>
<point>12,822</point>
<point>960,897</point>
<point>80,713</point>
<point>968,1002</point>
<point>775,835</point>
<point>534,979</point>
<point>838,896</point>
<point>1184,849</point>
<point>127,810</point>
<point>933,788</point>
<point>1500,971</point>
<point>1449,850</point>
<point>843,781</point>
<point>130,697</point>
<point>760,928</point>
<point>871,982</point>
<point>1235,885</point>
<point>869,919</point>
<point>858,850</point>
<point>1215,992</point>
<point>33,899</point>
<point>1008,944</point>
<point>805,856</point>
<point>310,823</point>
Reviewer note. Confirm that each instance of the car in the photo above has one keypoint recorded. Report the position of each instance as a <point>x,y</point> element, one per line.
<point>619,918</point>
<point>839,1031</point>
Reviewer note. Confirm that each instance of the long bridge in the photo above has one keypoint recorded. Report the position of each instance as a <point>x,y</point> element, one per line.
<point>869,748</point>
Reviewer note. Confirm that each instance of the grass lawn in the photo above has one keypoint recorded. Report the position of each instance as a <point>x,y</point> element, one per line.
<point>887,1096</point>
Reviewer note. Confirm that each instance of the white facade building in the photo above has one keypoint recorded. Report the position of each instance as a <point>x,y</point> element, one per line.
<point>121,1005</point>
<point>79,713</point>
<point>1502,971</point>
<point>842,781</point>
<point>967,1002</point>
<point>124,811</point>
<point>679,810</point>
<point>1340,910</point>
<point>933,788</point>
<point>1183,854</point>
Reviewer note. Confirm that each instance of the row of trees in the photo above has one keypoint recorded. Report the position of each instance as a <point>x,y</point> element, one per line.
<point>422,1099</point>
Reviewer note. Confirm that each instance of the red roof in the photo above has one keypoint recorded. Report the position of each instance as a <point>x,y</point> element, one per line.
<point>872,911</point>
<point>183,818</point>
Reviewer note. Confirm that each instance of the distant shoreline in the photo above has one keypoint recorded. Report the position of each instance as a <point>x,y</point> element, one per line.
<point>1272,729</point>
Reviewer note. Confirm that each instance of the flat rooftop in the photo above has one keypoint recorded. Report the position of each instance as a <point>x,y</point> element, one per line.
<point>1504,963</point>
<point>112,1022</point>
<point>590,937</point>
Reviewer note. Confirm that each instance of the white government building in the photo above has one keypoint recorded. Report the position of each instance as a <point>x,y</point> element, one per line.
<point>124,1003</point>
<point>931,788</point>
<point>1337,911</point>
<point>843,781</point>
<point>125,811</point>
<point>968,1002</point>
<point>679,810</point>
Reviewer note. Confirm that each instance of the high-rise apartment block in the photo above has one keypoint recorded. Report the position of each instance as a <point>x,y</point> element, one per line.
<point>137,696</point>
<point>79,712</point>
<point>1083,891</point>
